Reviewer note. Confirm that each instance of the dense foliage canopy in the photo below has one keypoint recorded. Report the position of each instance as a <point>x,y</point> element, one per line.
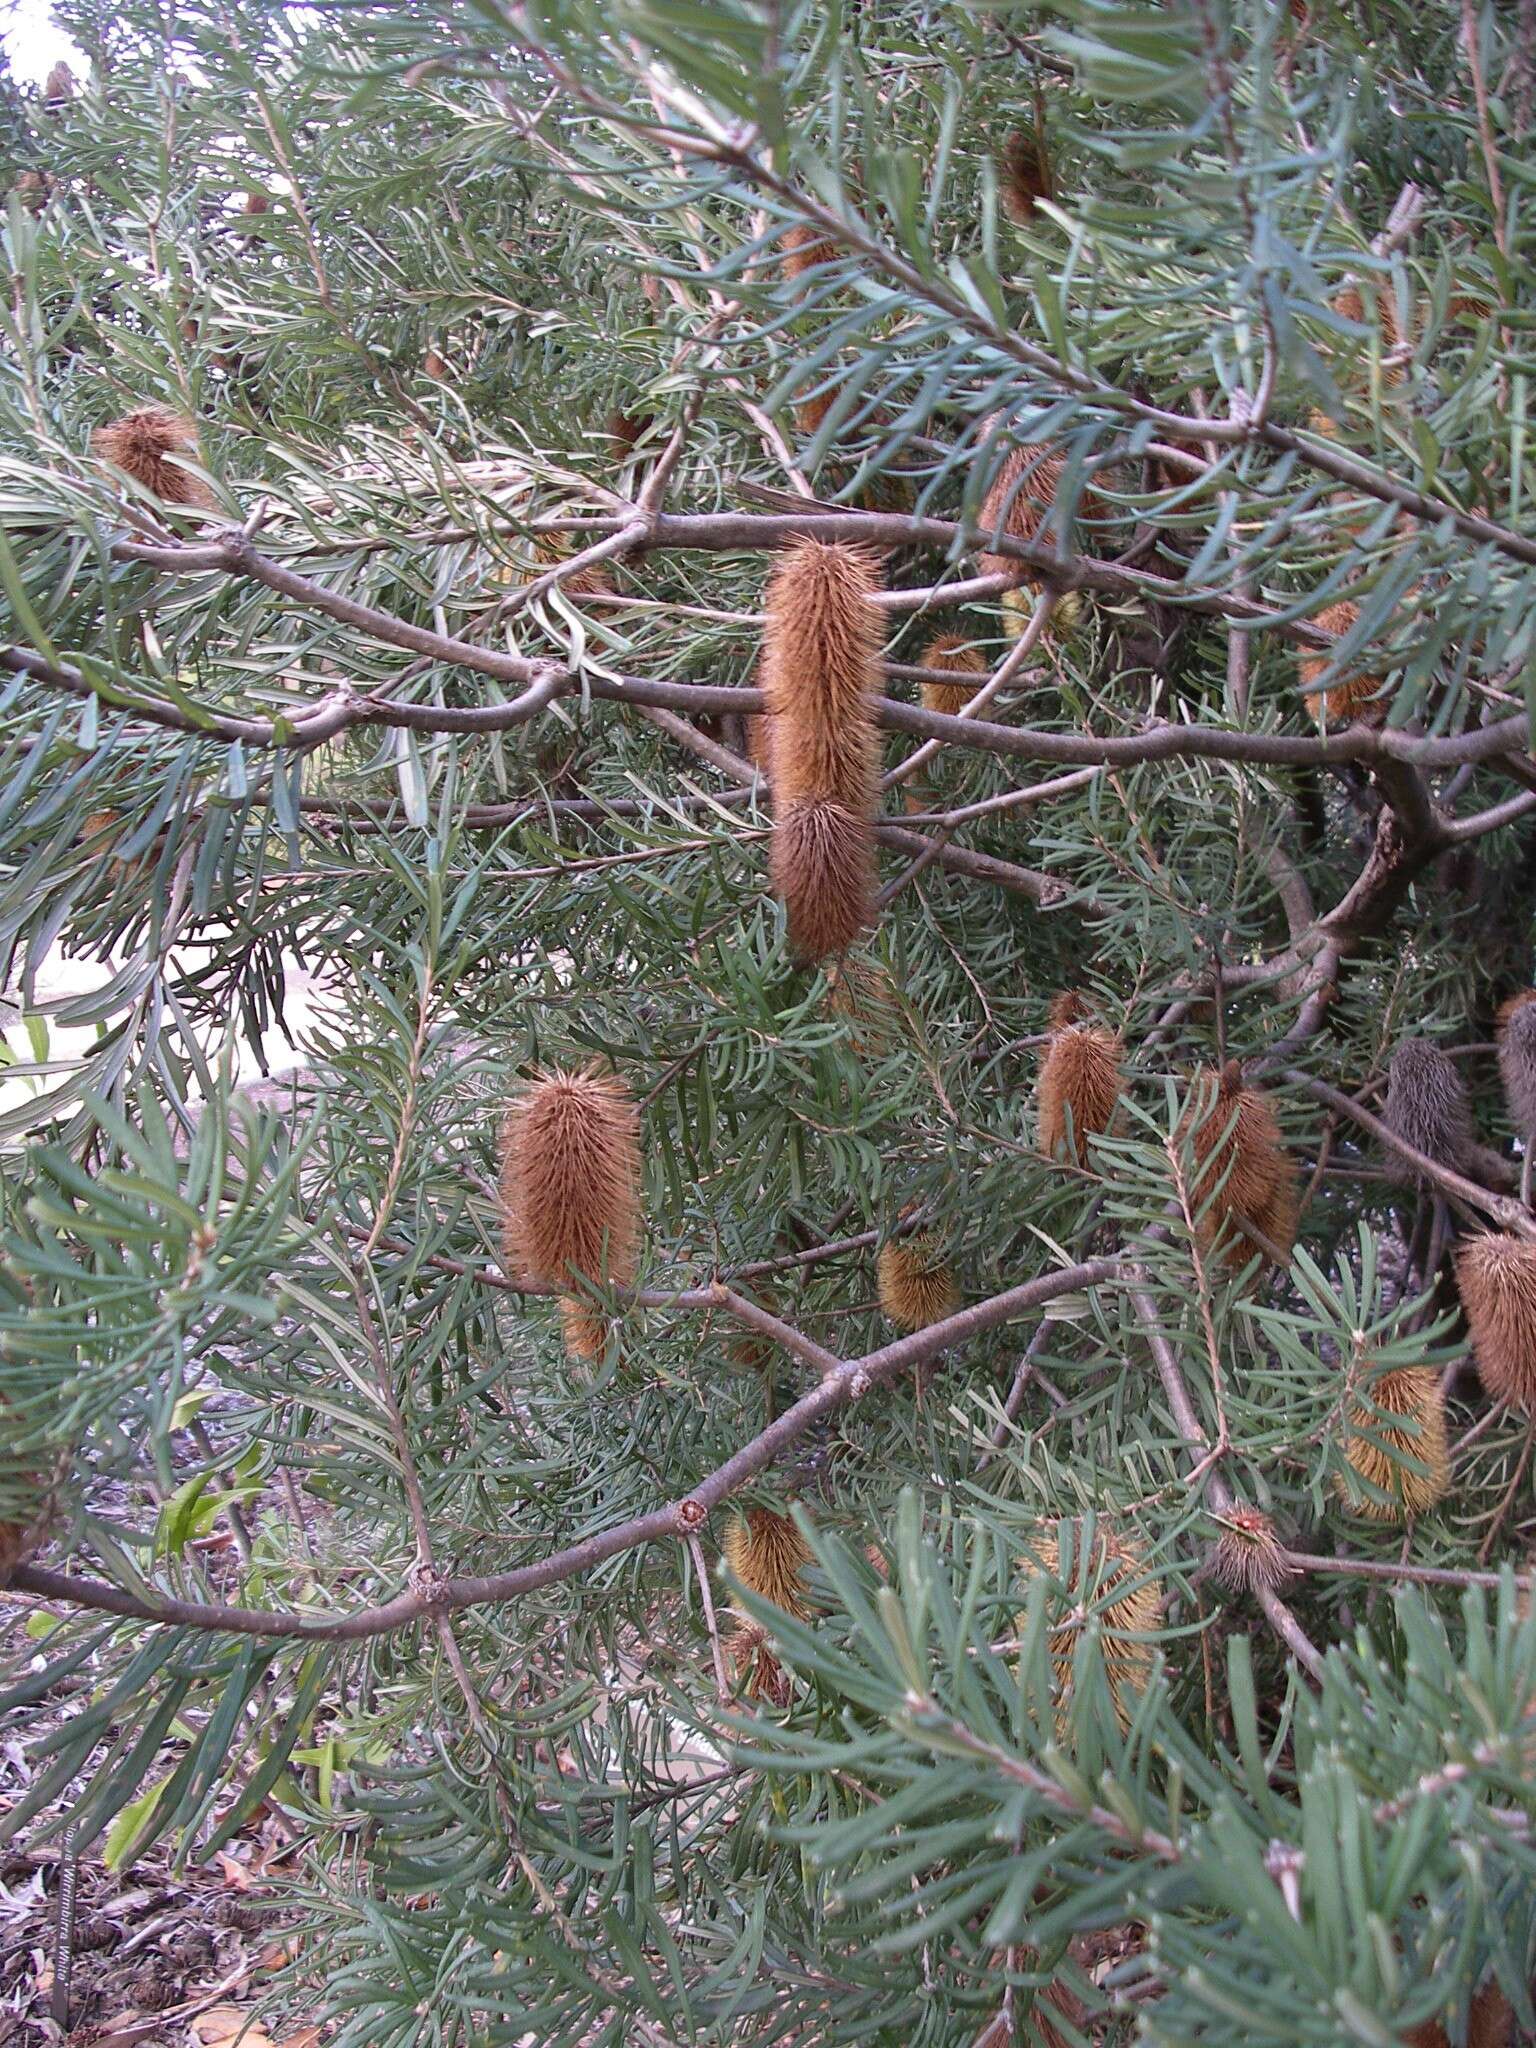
<point>1123,1633</point>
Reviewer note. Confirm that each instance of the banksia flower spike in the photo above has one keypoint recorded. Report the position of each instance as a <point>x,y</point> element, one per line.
<point>1427,1107</point>
<point>1023,495</point>
<point>1397,1444</point>
<point>820,671</point>
<point>860,991</point>
<point>1129,1606</point>
<point>758,1671</point>
<point>750,1349</point>
<point>949,651</point>
<point>767,1553</point>
<point>1242,1167</point>
<point>13,1548</point>
<point>584,1327</point>
<point>916,1285</point>
<point>1516,1033</point>
<point>143,444</point>
<point>624,430</point>
<point>1496,1273</point>
<point>1490,2024</point>
<point>804,248</point>
<point>1249,1555</point>
<point>1067,1006</point>
<point>811,412</point>
<point>1080,1080</point>
<point>596,580</point>
<point>1024,175</point>
<point>1353,698</point>
<point>570,1190</point>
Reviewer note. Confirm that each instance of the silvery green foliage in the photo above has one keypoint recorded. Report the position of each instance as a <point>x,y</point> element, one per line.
<point>488,228</point>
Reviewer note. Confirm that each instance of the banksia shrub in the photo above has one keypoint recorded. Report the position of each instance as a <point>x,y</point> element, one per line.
<point>570,1190</point>
<point>1128,1603</point>
<point>1516,1033</point>
<point>143,444</point>
<point>917,1286</point>
<point>820,671</point>
<point>1249,1554</point>
<point>1496,1273</point>
<point>1427,1107</point>
<point>1355,696</point>
<point>767,1553</point>
<point>1242,1167</point>
<point>1080,1084</point>
<point>1396,1425</point>
<point>1024,175</point>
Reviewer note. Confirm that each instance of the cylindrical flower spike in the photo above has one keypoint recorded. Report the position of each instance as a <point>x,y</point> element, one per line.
<point>1080,1080</point>
<point>767,1553</point>
<point>143,444</point>
<point>916,1285</point>
<point>1496,1273</point>
<point>1396,1426</point>
<point>570,1189</point>
<point>820,672</point>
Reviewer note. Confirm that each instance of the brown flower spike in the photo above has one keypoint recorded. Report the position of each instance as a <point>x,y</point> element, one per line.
<point>1233,1132</point>
<point>1490,2024</point>
<point>950,651</point>
<point>862,993</point>
<point>1023,494</point>
<point>144,443</point>
<point>1353,698</point>
<point>1128,1605</point>
<point>1496,1273</point>
<point>1516,1033</point>
<point>804,248</point>
<point>1080,1080</point>
<point>758,1671</point>
<point>767,1553</point>
<point>1409,1427</point>
<point>916,1285</point>
<point>570,1190</point>
<point>1024,175</point>
<point>820,671</point>
<point>1249,1555</point>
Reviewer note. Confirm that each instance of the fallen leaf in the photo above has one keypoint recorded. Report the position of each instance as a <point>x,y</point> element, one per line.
<point>236,1876</point>
<point>223,2025</point>
<point>306,2039</point>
